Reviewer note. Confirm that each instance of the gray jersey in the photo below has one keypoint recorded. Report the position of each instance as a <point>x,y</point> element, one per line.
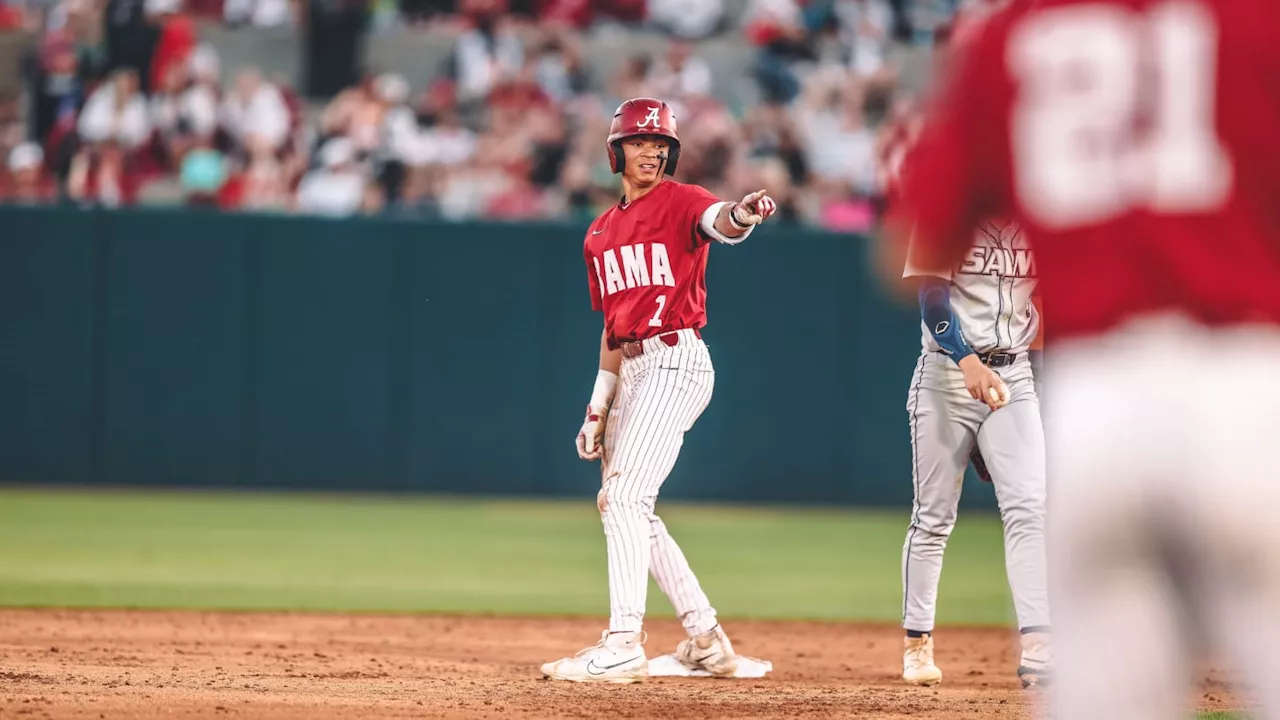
<point>991,291</point>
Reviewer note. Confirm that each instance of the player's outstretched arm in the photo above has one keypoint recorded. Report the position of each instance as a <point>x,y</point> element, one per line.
<point>590,439</point>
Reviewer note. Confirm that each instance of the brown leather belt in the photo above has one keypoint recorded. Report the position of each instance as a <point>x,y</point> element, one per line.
<point>635,348</point>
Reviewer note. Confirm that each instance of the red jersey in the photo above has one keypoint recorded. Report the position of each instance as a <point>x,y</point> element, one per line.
<point>1136,142</point>
<point>647,263</point>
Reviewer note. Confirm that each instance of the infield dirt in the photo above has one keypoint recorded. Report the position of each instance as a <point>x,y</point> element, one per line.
<point>60,664</point>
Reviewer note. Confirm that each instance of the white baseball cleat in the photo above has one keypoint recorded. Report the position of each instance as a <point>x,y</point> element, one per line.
<point>618,658</point>
<point>711,651</point>
<point>1036,664</point>
<point>917,662</point>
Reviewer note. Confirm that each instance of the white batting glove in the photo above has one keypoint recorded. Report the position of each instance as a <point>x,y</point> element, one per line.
<point>591,436</point>
<point>753,209</point>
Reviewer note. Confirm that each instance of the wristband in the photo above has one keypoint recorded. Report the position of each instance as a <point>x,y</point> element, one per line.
<point>602,393</point>
<point>733,217</point>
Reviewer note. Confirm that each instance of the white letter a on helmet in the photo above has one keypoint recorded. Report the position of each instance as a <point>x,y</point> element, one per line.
<point>652,117</point>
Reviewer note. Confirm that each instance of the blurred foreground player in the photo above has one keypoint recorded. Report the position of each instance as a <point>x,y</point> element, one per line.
<point>646,263</point>
<point>1137,142</point>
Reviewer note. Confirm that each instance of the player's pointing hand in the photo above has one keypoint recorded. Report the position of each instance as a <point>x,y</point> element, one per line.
<point>754,208</point>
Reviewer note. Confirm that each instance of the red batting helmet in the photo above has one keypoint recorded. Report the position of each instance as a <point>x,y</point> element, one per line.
<point>642,116</point>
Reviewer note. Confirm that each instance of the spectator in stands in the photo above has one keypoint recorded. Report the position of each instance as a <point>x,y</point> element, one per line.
<point>518,93</point>
<point>771,136</point>
<point>772,173</point>
<point>687,19</point>
<point>176,40</point>
<point>927,17</point>
<point>417,196</point>
<point>340,187</point>
<point>399,144</point>
<point>679,75</point>
<point>396,136</point>
<point>549,142</point>
<point>366,113</point>
<point>778,28</point>
<point>416,12</point>
<point>840,149</point>
<point>447,142</point>
<point>55,84</point>
<point>100,175</point>
<point>170,118</point>
<point>486,53</point>
<point>341,111</point>
<point>712,140</point>
<point>838,144</point>
<point>130,38</point>
<point>263,185</point>
<point>84,19</point>
<point>519,199</point>
<point>258,13</point>
<point>198,105</point>
<point>12,132</point>
<point>468,187</point>
<point>116,113</point>
<point>572,196</point>
<point>254,113</point>
<point>205,67</point>
<point>15,17</point>
<point>558,67</point>
<point>203,174</point>
<point>583,14</point>
<point>865,28</point>
<point>27,183</point>
<point>632,79</point>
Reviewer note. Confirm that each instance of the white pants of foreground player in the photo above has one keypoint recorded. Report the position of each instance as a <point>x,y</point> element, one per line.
<point>660,395</point>
<point>1164,516</point>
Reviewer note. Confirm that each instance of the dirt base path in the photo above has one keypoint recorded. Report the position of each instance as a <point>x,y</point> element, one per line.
<point>57,665</point>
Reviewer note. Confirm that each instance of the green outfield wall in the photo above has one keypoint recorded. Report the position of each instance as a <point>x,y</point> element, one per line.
<point>148,348</point>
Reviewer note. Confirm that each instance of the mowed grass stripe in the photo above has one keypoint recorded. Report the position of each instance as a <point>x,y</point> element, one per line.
<point>425,554</point>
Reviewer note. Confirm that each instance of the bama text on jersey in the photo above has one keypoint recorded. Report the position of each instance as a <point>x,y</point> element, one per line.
<point>630,266</point>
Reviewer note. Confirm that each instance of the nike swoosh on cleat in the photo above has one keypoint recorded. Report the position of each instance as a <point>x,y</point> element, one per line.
<point>592,666</point>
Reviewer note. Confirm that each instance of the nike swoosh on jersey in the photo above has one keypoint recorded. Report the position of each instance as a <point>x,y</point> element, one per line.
<point>597,232</point>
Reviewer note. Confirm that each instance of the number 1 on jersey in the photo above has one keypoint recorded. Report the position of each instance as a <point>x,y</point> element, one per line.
<point>656,321</point>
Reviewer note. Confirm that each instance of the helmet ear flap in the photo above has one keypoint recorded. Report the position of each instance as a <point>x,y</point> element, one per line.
<point>617,157</point>
<point>673,156</point>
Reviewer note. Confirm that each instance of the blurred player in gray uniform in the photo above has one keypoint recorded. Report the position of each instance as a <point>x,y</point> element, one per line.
<point>974,392</point>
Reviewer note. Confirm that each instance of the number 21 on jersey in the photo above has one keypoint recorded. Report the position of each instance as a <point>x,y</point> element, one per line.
<point>1088,75</point>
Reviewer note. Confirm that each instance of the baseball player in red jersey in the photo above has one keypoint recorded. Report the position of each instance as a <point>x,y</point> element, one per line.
<point>646,260</point>
<point>1136,140</point>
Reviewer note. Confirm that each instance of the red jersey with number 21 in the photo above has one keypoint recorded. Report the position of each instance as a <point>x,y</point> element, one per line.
<point>1136,140</point>
<point>647,263</point>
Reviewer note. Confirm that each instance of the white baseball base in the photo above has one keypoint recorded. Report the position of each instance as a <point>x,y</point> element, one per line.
<point>669,666</point>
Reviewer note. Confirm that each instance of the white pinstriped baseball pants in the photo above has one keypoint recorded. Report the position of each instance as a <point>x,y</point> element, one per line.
<point>660,395</point>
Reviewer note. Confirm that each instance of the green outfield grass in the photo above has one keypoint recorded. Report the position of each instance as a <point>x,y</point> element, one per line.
<point>346,553</point>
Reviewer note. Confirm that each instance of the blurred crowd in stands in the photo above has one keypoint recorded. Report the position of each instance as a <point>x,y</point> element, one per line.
<point>124,104</point>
